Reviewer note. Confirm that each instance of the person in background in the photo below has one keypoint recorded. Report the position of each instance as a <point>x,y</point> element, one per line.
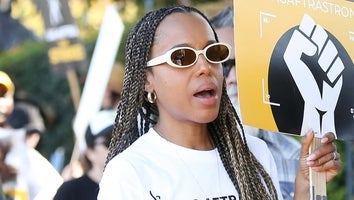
<point>27,115</point>
<point>97,137</point>
<point>36,119</point>
<point>285,149</point>
<point>40,177</point>
<point>7,92</point>
<point>114,86</point>
<point>110,100</point>
<point>32,138</point>
<point>12,145</point>
<point>176,133</point>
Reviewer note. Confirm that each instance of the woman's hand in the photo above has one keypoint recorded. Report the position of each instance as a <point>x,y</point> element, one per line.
<point>323,159</point>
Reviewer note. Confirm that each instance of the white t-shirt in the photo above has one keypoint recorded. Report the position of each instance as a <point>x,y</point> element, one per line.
<point>42,178</point>
<point>153,168</point>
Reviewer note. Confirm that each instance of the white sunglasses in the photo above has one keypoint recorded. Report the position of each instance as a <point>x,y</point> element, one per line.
<point>183,57</point>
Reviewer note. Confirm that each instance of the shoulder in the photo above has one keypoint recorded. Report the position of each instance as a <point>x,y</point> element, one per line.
<point>143,149</point>
<point>133,167</point>
<point>122,164</point>
<point>66,189</point>
<point>72,189</point>
<point>119,173</point>
<point>139,153</point>
<point>70,185</point>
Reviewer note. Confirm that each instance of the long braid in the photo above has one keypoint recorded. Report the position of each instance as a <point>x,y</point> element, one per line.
<point>135,115</point>
<point>225,18</point>
<point>239,162</point>
<point>132,97</point>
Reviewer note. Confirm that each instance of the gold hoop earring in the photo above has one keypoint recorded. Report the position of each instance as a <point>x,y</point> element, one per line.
<point>151,96</point>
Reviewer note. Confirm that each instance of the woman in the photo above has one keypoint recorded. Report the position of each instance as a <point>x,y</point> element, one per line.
<point>176,134</point>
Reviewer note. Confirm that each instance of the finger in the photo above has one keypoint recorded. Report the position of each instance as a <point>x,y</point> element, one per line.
<point>319,36</point>
<point>306,143</point>
<point>322,154</point>
<point>307,25</point>
<point>328,138</point>
<point>333,156</point>
<point>332,165</point>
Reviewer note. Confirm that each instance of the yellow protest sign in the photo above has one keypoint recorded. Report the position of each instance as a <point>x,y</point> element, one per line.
<point>294,63</point>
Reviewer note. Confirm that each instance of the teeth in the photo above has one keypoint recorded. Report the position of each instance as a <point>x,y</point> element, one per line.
<point>205,93</point>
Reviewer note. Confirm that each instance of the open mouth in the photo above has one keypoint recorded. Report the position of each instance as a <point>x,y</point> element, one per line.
<point>205,93</point>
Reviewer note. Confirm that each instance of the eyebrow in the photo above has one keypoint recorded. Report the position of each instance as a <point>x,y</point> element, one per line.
<point>188,45</point>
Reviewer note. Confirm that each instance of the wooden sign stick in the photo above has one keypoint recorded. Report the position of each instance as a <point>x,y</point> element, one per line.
<point>317,179</point>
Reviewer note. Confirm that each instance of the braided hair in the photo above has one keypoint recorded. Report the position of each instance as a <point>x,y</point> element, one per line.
<point>135,115</point>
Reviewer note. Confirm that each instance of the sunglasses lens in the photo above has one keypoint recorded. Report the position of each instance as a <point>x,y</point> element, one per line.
<point>183,57</point>
<point>217,53</point>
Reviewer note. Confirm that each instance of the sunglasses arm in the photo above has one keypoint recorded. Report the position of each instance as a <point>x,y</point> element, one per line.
<point>157,60</point>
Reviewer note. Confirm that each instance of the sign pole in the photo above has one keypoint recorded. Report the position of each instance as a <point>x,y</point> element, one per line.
<point>317,179</point>
<point>74,87</point>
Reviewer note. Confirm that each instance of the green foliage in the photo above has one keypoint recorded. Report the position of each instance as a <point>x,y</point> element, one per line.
<point>336,188</point>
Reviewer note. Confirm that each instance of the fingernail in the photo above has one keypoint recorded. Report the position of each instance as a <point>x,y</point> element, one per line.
<point>324,140</point>
<point>310,162</point>
<point>310,157</point>
<point>309,131</point>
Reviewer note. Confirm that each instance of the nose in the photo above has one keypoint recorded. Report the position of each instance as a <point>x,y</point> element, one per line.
<point>203,64</point>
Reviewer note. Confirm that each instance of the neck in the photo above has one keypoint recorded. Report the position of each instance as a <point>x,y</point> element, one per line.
<point>193,138</point>
<point>95,174</point>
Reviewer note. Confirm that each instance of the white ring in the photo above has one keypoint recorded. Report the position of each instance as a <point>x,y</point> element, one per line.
<point>334,156</point>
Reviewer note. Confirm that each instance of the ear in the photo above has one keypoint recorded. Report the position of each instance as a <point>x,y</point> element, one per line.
<point>149,86</point>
